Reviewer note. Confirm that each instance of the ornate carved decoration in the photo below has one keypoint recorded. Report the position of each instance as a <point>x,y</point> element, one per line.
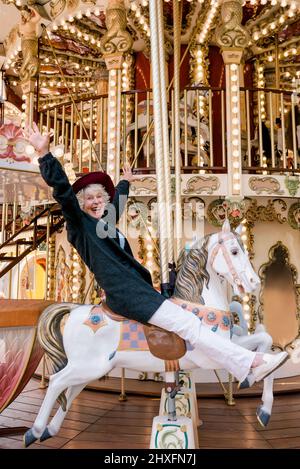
<point>144,186</point>
<point>200,184</point>
<point>279,297</point>
<point>266,184</point>
<point>273,211</point>
<point>29,44</point>
<point>62,277</point>
<point>117,39</point>
<point>219,210</point>
<point>231,33</point>
<point>294,216</point>
<point>292,184</point>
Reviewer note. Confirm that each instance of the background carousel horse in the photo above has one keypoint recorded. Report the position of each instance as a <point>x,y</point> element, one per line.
<point>93,342</point>
<point>192,126</point>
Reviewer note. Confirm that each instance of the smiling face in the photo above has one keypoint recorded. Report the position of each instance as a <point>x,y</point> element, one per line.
<point>95,199</point>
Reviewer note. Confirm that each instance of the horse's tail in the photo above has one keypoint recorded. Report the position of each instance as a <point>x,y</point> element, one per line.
<point>50,338</point>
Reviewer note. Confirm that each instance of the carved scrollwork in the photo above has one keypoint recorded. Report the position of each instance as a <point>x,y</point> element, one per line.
<point>117,39</point>
<point>231,33</point>
<point>294,216</point>
<point>273,211</point>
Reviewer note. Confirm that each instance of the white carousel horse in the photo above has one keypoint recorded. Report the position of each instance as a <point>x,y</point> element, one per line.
<point>92,343</point>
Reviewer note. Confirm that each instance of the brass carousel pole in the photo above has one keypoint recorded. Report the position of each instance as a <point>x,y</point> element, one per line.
<point>177,12</point>
<point>113,49</point>
<point>43,384</point>
<point>232,37</point>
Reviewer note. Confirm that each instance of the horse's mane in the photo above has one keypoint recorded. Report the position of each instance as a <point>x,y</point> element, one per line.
<point>192,272</point>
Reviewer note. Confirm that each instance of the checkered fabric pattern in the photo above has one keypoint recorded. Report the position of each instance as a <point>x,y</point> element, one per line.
<point>132,337</point>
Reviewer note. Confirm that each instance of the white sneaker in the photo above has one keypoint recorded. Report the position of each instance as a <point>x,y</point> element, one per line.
<point>271,363</point>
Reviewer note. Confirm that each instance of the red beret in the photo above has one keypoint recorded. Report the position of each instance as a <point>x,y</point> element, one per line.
<point>98,177</point>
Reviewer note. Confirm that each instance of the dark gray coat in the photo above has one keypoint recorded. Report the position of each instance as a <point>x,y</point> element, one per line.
<point>127,284</point>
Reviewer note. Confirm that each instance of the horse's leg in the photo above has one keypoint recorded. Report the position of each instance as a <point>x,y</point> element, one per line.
<point>264,411</point>
<point>261,342</point>
<point>57,383</point>
<point>55,424</point>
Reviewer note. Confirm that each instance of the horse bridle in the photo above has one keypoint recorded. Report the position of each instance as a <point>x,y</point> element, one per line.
<point>220,245</point>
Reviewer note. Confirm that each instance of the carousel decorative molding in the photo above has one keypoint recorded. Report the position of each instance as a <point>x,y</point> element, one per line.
<point>143,186</point>
<point>292,183</point>
<point>202,184</point>
<point>117,39</point>
<point>294,216</point>
<point>219,210</point>
<point>268,185</point>
<point>231,33</point>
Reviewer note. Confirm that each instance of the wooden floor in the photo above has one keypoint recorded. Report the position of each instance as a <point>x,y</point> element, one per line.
<point>99,420</point>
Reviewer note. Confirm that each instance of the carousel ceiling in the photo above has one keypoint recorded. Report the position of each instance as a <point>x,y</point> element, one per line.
<point>75,42</point>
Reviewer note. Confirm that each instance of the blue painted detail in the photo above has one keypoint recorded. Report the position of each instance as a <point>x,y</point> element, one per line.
<point>211,316</point>
<point>134,344</point>
<point>29,438</point>
<point>46,435</point>
<point>262,416</point>
<point>126,335</point>
<point>215,328</point>
<point>111,356</point>
<point>226,321</point>
<point>95,319</point>
<point>141,336</point>
<point>133,327</point>
<point>195,311</point>
<point>244,384</point>
<point>184,306</point>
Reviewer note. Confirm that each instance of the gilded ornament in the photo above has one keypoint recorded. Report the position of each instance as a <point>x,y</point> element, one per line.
<point>231,33</point>
<point>117,39</point>
<point>294,216</point>
<point>292,184</point>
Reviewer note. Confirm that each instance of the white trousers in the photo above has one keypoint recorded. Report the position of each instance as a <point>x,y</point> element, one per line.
<point>235,359</point>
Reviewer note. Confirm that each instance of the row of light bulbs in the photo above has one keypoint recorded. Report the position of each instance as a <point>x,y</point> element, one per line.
<point>277,22</point>
<point>282,3</point>
<point>112,120</point>
<point>246,307</point>
<point>140,17</point>
<point>235,128</point>
<point>214,5</point>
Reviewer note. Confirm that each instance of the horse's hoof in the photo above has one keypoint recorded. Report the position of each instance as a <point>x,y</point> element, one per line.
<point>29,438</point>
<point>244,384</point>
<point>262,416</point>
<point>46,435</point>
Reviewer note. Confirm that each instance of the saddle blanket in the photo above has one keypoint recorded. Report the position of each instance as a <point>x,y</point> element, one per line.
<point>132,337</point>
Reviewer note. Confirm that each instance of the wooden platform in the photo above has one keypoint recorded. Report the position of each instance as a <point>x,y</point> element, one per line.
<point>153,388</point>
<point>96,420</point>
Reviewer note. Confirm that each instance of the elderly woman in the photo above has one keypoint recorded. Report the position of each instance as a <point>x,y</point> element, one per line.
<point>127,284</point>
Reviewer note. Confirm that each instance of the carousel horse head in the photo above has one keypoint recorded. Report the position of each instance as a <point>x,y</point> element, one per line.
<point>222,254</point>
<point>228,258</point>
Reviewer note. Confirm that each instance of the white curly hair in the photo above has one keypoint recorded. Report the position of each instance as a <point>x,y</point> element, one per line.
<point>96,187</point>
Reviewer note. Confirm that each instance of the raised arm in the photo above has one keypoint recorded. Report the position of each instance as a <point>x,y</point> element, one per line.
<point>55,176</point>
<point>122,191</point>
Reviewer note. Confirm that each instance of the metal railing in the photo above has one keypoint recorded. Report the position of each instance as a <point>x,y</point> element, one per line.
<point>270,123</point>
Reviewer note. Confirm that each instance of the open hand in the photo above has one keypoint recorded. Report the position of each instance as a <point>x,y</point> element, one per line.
<point>127,173</point>
<point>38,141</point>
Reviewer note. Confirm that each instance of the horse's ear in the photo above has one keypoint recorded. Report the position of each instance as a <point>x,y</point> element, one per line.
<point>238,229</point>
<point>226,227</point>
